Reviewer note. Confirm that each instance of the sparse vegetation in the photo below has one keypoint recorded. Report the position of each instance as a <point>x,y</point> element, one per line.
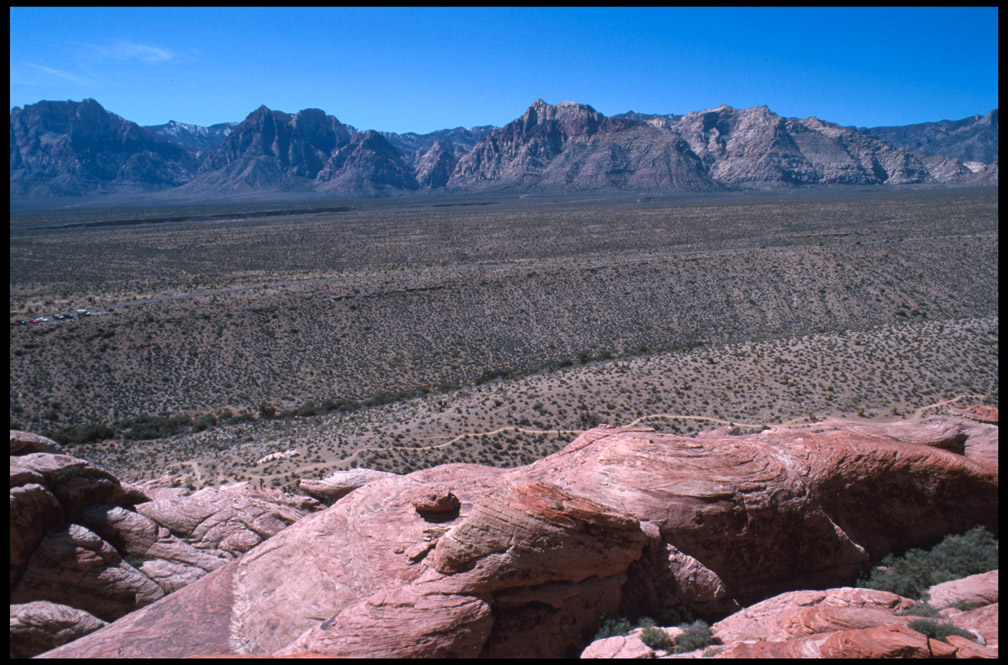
<point>957,556</point>
<point>656,638</point>
<point>695,636</point>
<point>730,312</point>
<point>938,630</point>
<point>611,627</point>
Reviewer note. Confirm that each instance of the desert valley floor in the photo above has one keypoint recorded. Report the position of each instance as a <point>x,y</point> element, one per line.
<point>279,341</point>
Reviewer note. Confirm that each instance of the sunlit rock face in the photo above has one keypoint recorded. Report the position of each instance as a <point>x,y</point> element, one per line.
<point>621,519</point>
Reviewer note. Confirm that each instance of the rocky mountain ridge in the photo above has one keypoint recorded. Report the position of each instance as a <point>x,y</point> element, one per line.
<point>79,148</point>
<point>973,139</point>
<point>201,140</point>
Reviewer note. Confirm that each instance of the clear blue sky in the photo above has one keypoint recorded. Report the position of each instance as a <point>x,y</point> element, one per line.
<point>422,69</point>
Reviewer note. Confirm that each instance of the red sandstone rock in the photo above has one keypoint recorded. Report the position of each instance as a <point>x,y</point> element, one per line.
<point>33,511</point>
<point>800,613</point>
<point>76,566</point>
<point>983,619</point>
<point>40,625</point>
<point>170,562</point>
<point>402,623</point>
<point>966,648</point>
<point>618,646</point>
<point>23,443</point>
<point>337,485</point>
<point>229,520</point>
<point>979,589</point>
<point>75,482</point>
<point>892,641</point>
<point>53,557</point>
<point>552,546</point>
<point>435,499</point>
<point>883,642</point>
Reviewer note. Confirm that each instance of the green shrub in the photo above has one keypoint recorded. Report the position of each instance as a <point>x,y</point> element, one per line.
<point>656,638</point>
<point>956,557</point>
<point>204,422</point>
<point>976,551</point>
<point>695,635</point>
<point>613,627</point>
<point>938,631</point>
<point>921,610</point>
<point>83,434</point>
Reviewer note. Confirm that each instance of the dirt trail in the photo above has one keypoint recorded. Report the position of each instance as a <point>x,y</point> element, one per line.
<point>913,418</point>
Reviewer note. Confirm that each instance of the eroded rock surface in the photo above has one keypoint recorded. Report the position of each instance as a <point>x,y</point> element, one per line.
<point>978,590</point>
<point>340,483</point>
<point>621,517</point>
<point>40,625</point>
<point>79,540</point>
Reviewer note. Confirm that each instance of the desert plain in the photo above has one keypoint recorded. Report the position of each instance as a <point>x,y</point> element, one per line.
<point>273,341</point>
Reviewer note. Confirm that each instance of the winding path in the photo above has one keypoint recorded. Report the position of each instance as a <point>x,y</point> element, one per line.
<point>912,418</point>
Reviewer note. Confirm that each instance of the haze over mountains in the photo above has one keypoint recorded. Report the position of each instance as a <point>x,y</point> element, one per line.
<point>79,149</point>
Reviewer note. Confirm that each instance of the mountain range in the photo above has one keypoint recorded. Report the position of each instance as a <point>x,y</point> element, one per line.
<point>79,149</point>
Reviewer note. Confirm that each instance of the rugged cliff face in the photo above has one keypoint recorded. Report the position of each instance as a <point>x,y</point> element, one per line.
<point>86,550</point>
<point>68,148</point>
<point>271,150</point>
<point>465,560</point>
<point>573,147</point>
<point>72,149</point>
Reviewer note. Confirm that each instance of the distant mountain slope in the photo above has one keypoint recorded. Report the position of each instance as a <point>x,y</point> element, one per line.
<point>755,147</point>
<point>272,150</point>
<point>432,157</point>
<point>973,139</point>
<point>197,139</point>
<point>573,146</point>
<point>79,148</point>
<point>366,166</point>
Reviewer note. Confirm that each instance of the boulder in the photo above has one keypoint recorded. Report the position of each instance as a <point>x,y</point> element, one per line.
<point>33,511</point>
<point>621,517</point>
<point>979,589</point>
<point>75,482</point>
<point>801,613</point>
<point>40,625</point>
<point>618,646</point>
<point>337,485</point>
<point>22,443</point>
<point>436,501</point>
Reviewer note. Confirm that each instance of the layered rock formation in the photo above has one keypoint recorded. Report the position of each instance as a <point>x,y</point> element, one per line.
<point>525,561</point>
<point>86,550</point>
<point>834,623</point>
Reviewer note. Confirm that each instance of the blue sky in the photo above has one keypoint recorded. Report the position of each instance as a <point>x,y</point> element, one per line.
<point>422,69</point>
